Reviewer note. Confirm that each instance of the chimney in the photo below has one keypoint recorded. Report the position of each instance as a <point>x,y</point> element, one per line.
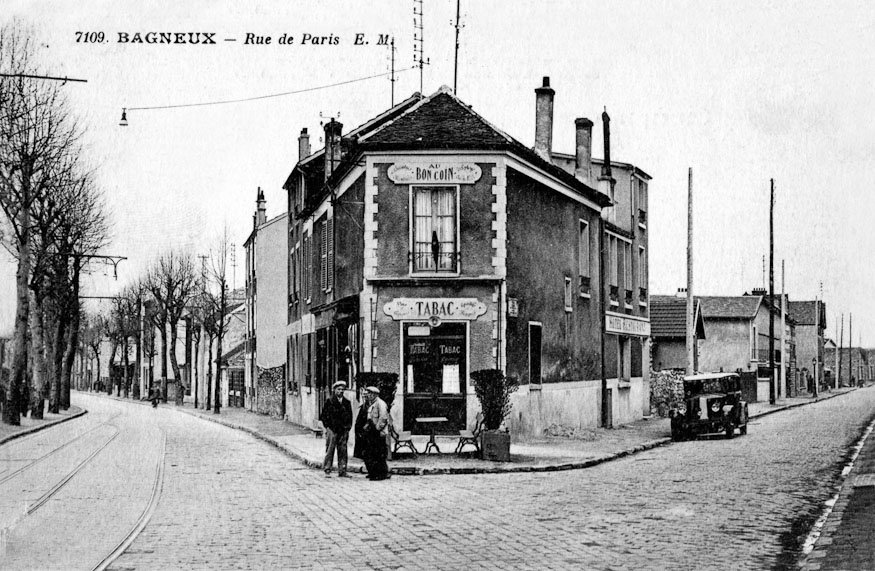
<point>544,120</point>
<point>606,128</point>
<point>682,292</point>
<point>583,149</point>
<point>303,144</point>
<point>261,208</point>
<point>332,146</point>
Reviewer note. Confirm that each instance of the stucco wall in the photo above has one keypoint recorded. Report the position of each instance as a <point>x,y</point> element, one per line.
<point>272,290</point>
<point>727,345</point>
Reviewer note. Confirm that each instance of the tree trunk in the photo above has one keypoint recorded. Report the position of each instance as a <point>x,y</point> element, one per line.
<point>181,384</point>
<point>109,365</point>
<point>217,388</point>
<point>209,375</point>
<point>125,363</point>
<point>137,356</point>
<point>72,311</point>
<point>196,372</point>
<point>37,356</point>
<point>11,410</point>
<point>164,361</point>
<point>57,363</point>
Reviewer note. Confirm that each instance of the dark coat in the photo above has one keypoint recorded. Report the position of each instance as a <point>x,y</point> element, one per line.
<point>337,416</point>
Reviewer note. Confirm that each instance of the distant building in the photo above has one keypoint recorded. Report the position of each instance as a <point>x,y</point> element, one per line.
<point>668,332</point>
<point>810,328</point>
<point>266,290</point>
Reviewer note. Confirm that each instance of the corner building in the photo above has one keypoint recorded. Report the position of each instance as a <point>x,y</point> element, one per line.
<point>429,243</point>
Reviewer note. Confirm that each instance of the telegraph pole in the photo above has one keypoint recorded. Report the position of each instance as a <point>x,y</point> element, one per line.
<point>839,353</point>
<point>819,346</point>
<point>783,382</point>
<point>691,342</point>
<point>772,293</point>
<point>850,349</point>
<point>456,64</point>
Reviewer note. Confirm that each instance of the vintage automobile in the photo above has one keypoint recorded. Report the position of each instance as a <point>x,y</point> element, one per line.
<point>712,404</point>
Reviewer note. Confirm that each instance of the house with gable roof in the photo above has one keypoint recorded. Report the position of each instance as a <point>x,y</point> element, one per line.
<point>429,243</point>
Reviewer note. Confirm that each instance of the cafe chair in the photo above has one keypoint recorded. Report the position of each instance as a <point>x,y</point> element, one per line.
<point>471,437</point>
<point>403,439</point>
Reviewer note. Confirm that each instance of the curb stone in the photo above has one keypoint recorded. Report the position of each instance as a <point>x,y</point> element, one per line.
<point>419,471</point>
<point>33,429</point>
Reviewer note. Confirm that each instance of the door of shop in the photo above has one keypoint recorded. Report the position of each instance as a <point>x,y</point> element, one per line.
<point>435,376</point>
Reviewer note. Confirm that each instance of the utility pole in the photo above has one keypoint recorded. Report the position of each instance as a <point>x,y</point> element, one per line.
<point>772,293</point>
<point>783,382</point>
<point>691,341</point>
<point>819,340</point>
<point>839,353</point>
<point>392,75</point>
<point>850,349</point>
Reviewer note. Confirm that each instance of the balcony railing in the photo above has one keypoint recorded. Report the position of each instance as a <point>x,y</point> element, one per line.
<point>435,262</point>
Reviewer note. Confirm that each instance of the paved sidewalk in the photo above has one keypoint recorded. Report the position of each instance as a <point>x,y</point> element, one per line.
<point>29,425</point>
<point>588,448</point>
<point>846,538</point>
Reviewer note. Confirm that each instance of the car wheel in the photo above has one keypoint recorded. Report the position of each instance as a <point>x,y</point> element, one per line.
<point>730,430</point>
<point>742,429</point>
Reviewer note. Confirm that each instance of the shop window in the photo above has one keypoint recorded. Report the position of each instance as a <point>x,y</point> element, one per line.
<point>435,228</point>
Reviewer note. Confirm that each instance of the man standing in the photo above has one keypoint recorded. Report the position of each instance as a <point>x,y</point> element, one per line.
<point>336,417</point>
<point>376,430</point>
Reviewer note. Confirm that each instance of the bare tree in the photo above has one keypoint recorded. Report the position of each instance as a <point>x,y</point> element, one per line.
<point>37,137</point>
<point>215,308</point>
<point>172,282</point>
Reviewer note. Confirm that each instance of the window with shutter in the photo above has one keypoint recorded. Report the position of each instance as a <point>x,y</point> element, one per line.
<point>323,257</point>
<point>330,261</point>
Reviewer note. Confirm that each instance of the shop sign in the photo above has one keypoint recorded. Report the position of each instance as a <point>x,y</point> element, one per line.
<point>513,307</point>
<point>462,173</point>
<point>434,309</point>
<point>626,325</point>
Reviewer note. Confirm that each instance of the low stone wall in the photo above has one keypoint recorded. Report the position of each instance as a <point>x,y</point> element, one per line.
<point>270,391</point>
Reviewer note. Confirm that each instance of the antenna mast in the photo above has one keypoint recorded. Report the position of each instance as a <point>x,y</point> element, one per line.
<point>392,74</point>
<point>418,40</point>
<point>456,64</point>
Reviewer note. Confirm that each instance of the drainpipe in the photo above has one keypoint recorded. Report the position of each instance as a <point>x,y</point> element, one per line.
<point>602,309</point>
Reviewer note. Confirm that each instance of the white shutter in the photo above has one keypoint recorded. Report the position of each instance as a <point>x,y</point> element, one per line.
<point>323,262</point>
<point>330,260</point>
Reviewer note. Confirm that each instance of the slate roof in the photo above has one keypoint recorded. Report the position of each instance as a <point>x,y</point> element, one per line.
<point>730,307</point>
<point>805,312</point>
<point>438,122</point>
<point>668,317</point>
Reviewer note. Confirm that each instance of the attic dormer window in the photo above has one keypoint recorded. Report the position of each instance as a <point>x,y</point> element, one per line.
<point>435,221</point>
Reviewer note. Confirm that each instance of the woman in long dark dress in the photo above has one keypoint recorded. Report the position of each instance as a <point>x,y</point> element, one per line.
<point>361,419</point>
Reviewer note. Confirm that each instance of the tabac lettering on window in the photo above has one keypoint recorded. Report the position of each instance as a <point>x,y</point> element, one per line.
<point>443,308</point>
<point>459,173</point>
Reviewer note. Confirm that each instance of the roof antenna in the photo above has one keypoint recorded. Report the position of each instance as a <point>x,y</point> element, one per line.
<point>418,40</point>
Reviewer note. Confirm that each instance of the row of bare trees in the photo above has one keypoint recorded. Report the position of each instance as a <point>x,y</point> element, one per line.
<point>54,221</point>
<point>146,315</point>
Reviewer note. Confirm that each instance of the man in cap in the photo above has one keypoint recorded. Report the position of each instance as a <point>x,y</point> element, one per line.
<point>376,430</point>
<point>336,417</point>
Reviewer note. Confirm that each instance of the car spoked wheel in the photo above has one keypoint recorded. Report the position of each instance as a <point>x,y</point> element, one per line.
<point>730,430</point>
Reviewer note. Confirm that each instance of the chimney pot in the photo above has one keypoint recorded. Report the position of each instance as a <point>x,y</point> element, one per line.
<point>583,149</point>
<point>303,144</point>
<point>544,120</point>
<point>333,130</point>
<point>261,208</point>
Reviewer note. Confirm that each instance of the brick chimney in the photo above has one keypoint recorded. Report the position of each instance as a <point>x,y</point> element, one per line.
<point>303,144</point>
<point>606,180</point>
<point>544,120</point>
<point>261,208</point>
<point>332,146</point>
<point>583,149</point>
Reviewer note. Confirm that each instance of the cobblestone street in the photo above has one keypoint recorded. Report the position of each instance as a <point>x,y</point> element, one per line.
<point>230,501</point>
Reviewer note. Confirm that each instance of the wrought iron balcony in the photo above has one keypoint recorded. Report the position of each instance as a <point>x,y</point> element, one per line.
<point>435,261</point>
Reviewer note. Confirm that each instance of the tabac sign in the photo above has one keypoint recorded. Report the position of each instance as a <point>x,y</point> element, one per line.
<point>626,325</point>
<point>434,309</point>
<point>462,173</point>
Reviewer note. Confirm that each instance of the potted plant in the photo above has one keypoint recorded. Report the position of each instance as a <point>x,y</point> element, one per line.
<point>493,390</point>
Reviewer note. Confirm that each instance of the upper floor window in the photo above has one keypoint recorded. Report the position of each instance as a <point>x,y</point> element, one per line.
<point>435,229</point>
<point>584,257</point>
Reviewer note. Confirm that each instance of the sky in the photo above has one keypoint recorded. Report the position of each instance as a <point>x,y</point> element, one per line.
<point>740,92</point>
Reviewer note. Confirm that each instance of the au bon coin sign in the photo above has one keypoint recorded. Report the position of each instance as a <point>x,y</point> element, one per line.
<point>460,173</point>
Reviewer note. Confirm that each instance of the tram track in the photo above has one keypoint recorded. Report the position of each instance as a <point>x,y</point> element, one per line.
<point>63,482</point>
<point>49,454</point>
<point>144,518</point>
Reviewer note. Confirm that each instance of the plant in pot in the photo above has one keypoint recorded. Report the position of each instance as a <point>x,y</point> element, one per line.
<point>493,390</point>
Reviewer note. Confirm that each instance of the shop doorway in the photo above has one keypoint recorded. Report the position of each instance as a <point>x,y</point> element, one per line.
<point>435,376</point>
